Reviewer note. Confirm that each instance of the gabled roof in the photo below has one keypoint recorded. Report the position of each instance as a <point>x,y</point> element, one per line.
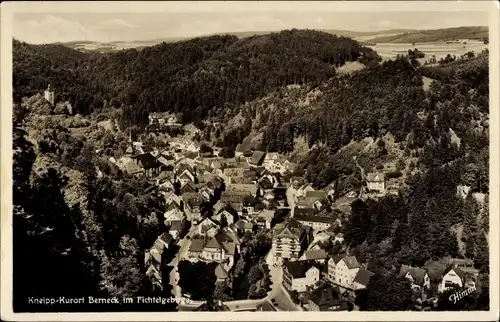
<point>242,189</point>
<point>229,210</point>
<point>418,275</point>
<point>189,186</point>
<point>457,270</point>
<point>175,225</point>
<point>130,149</point>
<point>213,243</point>
<point>351,262</point>
<point>196,245</point>
<point>298,269</point>
<point>315,254</point>
<point>336,259</point>
<point>220,272</point>
<point>167,238</point>
<point>287,232</point>
<point>258,157</point>
<point>375,177</point>
<point>317,219</point>
<point>317,194</point>
<point>147,149</point>
<point>148,161</point>
<point>326,296</point>
<point>363,276</point>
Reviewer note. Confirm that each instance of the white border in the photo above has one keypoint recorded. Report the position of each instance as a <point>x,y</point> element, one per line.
<point>8,8</point>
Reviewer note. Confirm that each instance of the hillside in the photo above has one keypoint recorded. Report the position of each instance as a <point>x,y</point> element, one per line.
<point>423,36</point>
<point>284,92</point>
<point>217,72</point>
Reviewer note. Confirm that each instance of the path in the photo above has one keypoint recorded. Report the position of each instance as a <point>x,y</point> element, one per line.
<point>174,273</point>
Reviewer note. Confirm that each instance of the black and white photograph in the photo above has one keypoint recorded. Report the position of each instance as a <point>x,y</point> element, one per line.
<point>288,160</point>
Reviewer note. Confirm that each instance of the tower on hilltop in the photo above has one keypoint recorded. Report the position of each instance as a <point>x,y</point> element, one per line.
<point>49,95</point>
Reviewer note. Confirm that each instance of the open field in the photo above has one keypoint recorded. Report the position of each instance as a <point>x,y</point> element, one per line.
<point>440,49</point>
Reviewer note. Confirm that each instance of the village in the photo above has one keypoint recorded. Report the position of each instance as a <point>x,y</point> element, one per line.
<point>212,203</point>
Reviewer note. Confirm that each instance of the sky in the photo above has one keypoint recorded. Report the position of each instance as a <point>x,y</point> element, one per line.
<point>48,26</point>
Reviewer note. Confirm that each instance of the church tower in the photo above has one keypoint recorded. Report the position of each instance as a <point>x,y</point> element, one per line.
<point>49,95</point>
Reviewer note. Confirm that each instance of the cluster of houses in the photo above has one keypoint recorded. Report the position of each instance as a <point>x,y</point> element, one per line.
<point>211,203</point>
<point>331,282</point>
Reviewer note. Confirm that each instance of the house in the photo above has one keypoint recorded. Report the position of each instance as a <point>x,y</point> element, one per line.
<point>307,217</point>
<point>130,151</point>
<point>455,277</point>
<point>192,207</point>
<point>219,249</point>
<point>314,199</point>
<point>188,187</point>
<point>242,226</point>
<point>206,192</point>
<point>232,175</point>
<point>153,259</point>
<point>145,149</point>
<point>228,212</point>
<point>343,270</point>
<point>265,217</point>
<point>362,279</point>
<point>271,161</point>
<point>257,158</point>
<point>156,118</point>
<point>269,195</point>
<point>173,201</point>
<point>327,298</point>
<point>195,249</point>
<point>166,240</point>
<point>302,190</point>
<point>149,163</point>
<point>166,160</point>
<point>375,182</point>
<point>320,239</point>
<point>317,255</point>
<point>418,277</point>
<point>208,227</point>
<point>242,189</point>
<point>298,275</point>
<point>186,176</point>
<point>286,242</point>
<point>339,238</point>
<point>49,95</point>
<point>330,191</point>
<point>165,179</point>
<point>176,227</point>
<point>221,273</point>
<point>173,215</point>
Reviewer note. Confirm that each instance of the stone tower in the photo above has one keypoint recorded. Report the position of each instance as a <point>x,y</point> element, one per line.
<point>49,95</point>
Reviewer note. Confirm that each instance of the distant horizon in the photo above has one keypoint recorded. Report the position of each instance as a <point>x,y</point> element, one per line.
<point>106,27</point>
<point>180,38</point>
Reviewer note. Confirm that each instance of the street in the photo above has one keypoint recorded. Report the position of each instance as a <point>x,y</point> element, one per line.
<point>174,273</point>
<point>290,199</point>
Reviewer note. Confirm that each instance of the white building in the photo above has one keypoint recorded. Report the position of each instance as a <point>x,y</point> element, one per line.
<point>343,270</point>
<point>375,182</point>
<point>452,277</point>
<point>49,95</point>
<point>298,275</point>
<point>286,243</point>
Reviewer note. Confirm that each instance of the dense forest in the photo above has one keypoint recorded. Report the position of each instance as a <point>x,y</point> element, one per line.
<point>197,77</point>
<point>87,230</point>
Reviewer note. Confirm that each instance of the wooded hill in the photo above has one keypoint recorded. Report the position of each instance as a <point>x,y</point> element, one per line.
<point>195,77</point>
<point>436,139</point>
